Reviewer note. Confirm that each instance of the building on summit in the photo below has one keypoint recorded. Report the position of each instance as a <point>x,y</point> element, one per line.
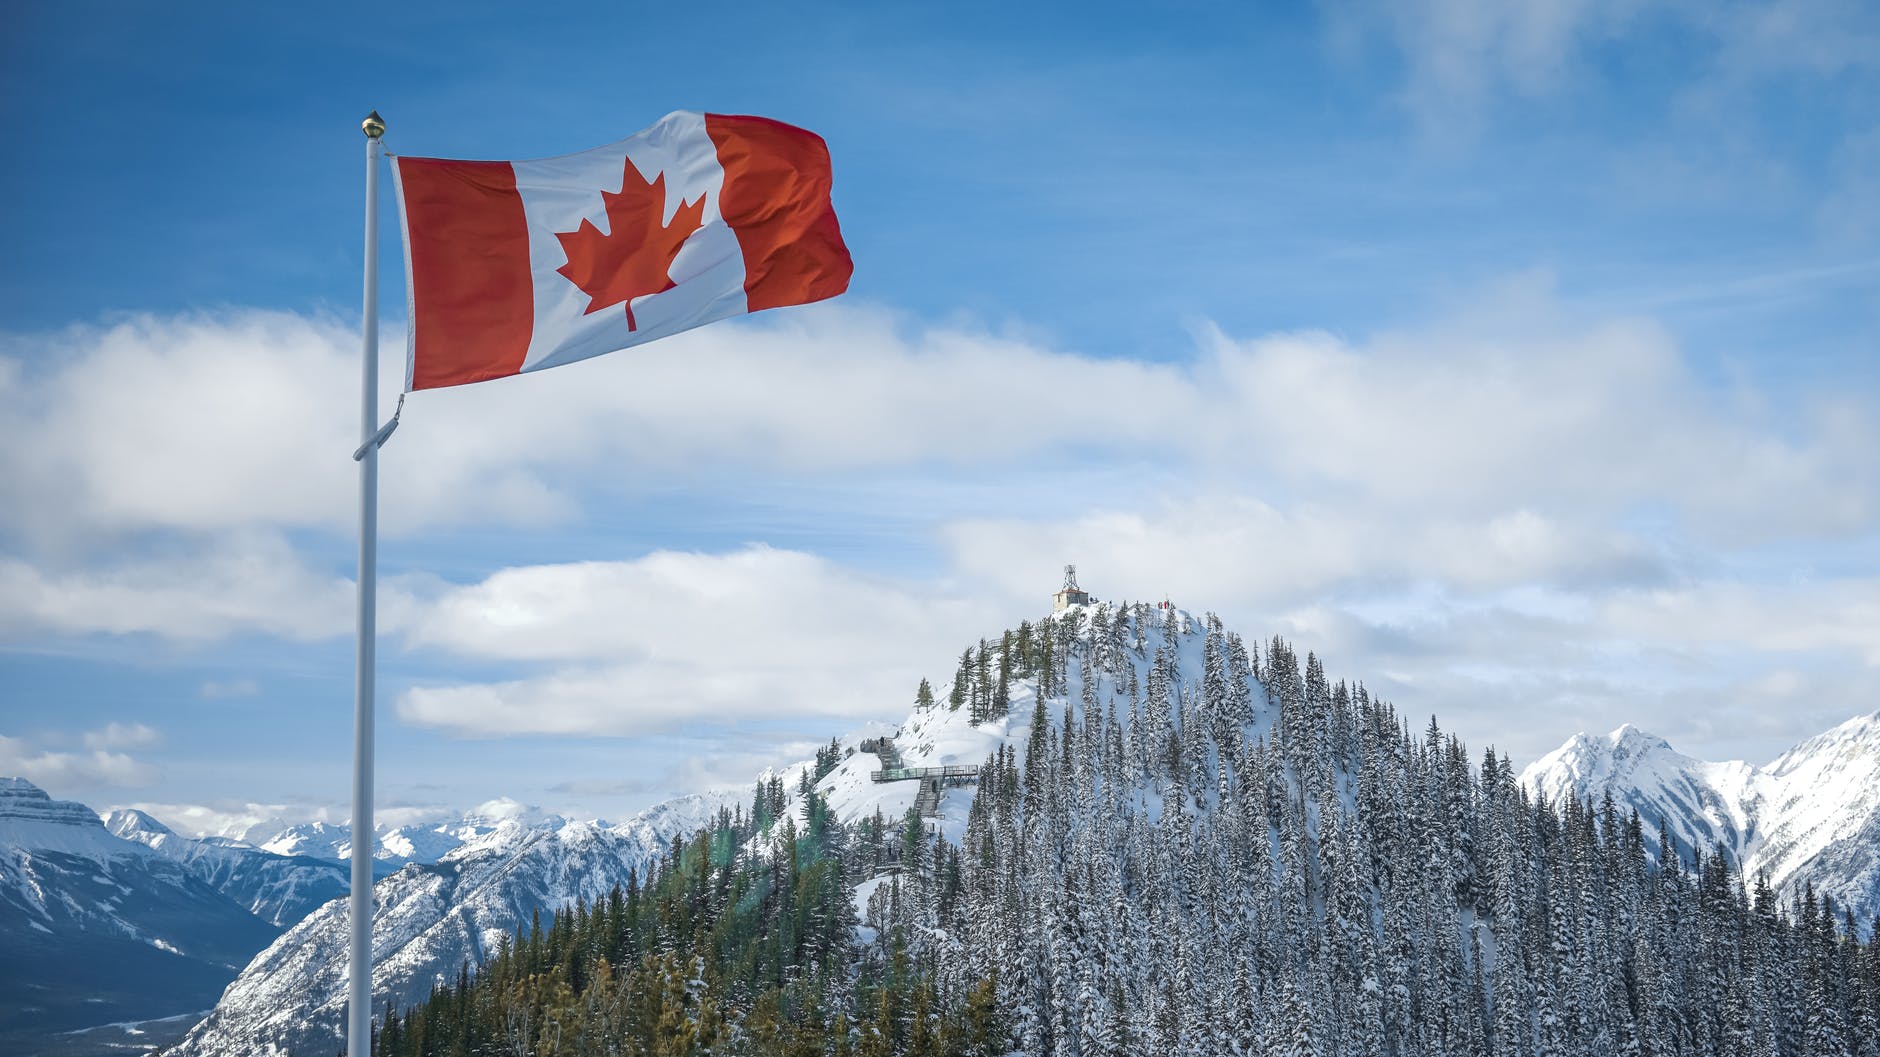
<point>1070,594</point>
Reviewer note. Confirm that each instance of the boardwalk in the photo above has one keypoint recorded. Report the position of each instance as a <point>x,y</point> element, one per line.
<point>931,779</point>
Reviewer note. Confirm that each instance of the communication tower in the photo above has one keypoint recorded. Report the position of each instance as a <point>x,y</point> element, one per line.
<point>1070,594</point>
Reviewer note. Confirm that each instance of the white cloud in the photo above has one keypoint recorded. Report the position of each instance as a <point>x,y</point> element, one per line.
<point>1818,37</point>
<point>221,689</point>
<point>703,759</point>
<point>70,774</point>
<point>256,822</point>
<point>196,422</point>
<point>734,765</point>
<point>207,426</point>
<point>122,736</point>
<point>216,423</point>
<point>1473,515</point>
<point>392,816</point>
<point>1834,616</point>
<point>1462,56</point>
<point>1230,547</point>
<point>243,583</point>
<point>677,639</point>
<point>819,391</point>
<point>236,819</point>
<point>1525,673</point>
<point>211,424</point>
<point>504,807</point>
<point>1517,407</point>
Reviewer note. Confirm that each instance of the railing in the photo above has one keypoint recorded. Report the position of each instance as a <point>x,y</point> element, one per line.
<point>909,774</point>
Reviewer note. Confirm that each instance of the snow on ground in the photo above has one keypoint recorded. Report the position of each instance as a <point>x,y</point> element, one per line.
<point>863,893</point>
<point>1829,793</point>
<point>939,737</point>
<point>942,737</point>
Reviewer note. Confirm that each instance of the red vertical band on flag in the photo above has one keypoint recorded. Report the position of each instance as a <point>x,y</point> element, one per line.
<point>776,198</point>
<point>472,298</point>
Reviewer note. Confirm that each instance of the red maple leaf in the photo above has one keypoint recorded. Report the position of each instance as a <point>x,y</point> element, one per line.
<point>632,259</point>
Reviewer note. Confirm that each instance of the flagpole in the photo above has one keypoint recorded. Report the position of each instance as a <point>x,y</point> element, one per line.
<point>359,983</point>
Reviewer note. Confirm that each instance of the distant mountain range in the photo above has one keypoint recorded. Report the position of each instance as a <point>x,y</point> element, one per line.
<point>423,842</point>
<point>278,889</point>
<point>97,929</point>
<point>119,933</point>
<point>1810,817</point>
<point>122,920</point>
<point>430,920</point>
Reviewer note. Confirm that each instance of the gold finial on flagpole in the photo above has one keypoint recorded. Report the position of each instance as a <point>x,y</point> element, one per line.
<point>373,126</point>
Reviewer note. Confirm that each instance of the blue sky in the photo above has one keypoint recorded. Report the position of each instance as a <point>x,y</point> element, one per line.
<point>1517,359</point>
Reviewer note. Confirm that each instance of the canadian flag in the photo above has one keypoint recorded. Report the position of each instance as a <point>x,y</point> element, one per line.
<point>517,266</point>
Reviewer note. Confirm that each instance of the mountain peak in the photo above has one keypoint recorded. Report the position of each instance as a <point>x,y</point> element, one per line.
<point>1627,758</point>
<point>21,787</point>
<point>504,809</point>
<point>1813,813</point>
<point>1846,756</point>
<point>1630,739</point>
<point>31,819</point>
<point>127,821</point>
<point>1586,758</point>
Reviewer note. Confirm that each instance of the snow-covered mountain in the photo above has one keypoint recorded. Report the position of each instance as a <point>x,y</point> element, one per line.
<point>97,929</point>
<point>279,889</point>
<point>423,842</point>
<point>431,919</point>
<point>1812,816</point>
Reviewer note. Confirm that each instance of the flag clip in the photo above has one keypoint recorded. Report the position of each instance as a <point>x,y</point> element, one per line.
<point>377,440</point>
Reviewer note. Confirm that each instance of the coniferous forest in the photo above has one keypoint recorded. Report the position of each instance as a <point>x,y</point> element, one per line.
<point>1196,851</point>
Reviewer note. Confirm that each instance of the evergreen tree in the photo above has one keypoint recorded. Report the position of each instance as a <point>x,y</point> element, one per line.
<point>962,685</point>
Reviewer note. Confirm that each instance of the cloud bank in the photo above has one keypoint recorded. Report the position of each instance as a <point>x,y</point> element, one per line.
<point>101,764</point>
<point>1511,505</point>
